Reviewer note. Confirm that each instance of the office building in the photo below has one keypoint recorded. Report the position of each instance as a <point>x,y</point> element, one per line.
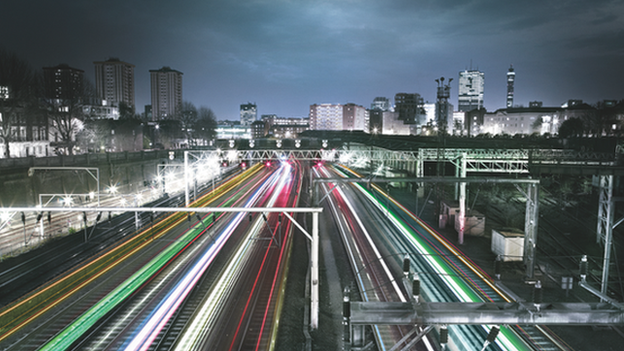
<point>375,121</point>
<point>470,90</point>
<point>166,91</point>
<point>326,117</point>
<point>248,114</point>
<point>410,108</point>
<point>522,120</point>
<point>381,104</point>
<point>393,125</point>
<point>114,82</point>
<point>354,117</point>
<point>473,121</point>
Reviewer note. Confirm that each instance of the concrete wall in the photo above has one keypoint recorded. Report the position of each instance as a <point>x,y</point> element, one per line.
<point>129,172</point>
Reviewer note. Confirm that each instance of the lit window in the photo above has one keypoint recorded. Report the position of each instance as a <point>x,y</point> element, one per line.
<point>4,92</point>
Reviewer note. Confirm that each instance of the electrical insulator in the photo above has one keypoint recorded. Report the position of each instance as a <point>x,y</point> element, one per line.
<point>189,217</point>
<point>443,334</point>
<point>492,335</point>
<point>583,268</point>
<point>346,307</point>
<point>416,286</point>
<point>538,293</point>
<point>406,265</point>
<point>250,217</point>
<point>39,217</point>
<point>109,216</point>
<point>23,218</point>
<point>498,264</point>
<point>197,215</point>
<point>49,217</point>
<point>84,217</point>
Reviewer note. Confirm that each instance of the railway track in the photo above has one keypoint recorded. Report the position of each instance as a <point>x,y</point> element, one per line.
<point>45,295</point>
<point>461,275</point>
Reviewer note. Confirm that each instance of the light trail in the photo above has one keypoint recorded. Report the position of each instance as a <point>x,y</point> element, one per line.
<point>275,277</point>
<point>197,329</point>
<point>122,321</point>
<point>77,328</point>
<point>168,306</point>
<point>16,316</point>
<point>379,258</point>
<point>507,340</point>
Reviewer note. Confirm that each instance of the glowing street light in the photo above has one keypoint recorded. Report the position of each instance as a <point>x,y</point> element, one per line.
<point>5,216</point>
<point>67,201</point>
<point>112,189</point>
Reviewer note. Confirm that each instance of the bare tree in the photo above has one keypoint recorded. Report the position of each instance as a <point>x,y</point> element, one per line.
<point>67,115</point>
<point>96,135</point>
<point>17,94</point>
<point>206,124</point>
<point>188,117</point>
<point>126,111</point>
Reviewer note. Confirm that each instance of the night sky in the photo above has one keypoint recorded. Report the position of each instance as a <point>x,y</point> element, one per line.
<point>285,55</point>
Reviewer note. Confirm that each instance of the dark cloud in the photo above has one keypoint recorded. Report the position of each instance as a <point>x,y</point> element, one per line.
<point>287,54</point>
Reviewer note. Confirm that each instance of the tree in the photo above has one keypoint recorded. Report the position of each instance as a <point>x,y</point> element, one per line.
<point>206,124</point>
<point>170,132</point>
<point>126,111</point>
<point>537,125</point>
<point>96,135</point>
<point>67,115</point>
<point>18,94</point>
<point>188,117</point>
<point>571,127</point>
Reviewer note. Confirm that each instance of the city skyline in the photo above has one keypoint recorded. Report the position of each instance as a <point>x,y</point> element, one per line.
<point>286,56</point>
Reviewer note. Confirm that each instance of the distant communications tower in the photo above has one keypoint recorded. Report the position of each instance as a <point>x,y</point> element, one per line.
<point>511,77</point>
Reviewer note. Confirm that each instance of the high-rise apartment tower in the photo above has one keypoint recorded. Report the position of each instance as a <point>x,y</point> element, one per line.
<point>63,82</point>
<point>114,81</point>
<point>166,91</point>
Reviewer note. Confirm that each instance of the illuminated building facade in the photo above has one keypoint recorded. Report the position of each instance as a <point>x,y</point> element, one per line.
<point>354,117</point>
<point>470,90</point>
<point>326,117</point>
<point>248,114</point>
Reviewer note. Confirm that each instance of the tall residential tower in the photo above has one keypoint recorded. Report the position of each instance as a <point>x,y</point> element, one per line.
<point>63,82</point>
<point>166,91</point>
<point>114,81</point>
